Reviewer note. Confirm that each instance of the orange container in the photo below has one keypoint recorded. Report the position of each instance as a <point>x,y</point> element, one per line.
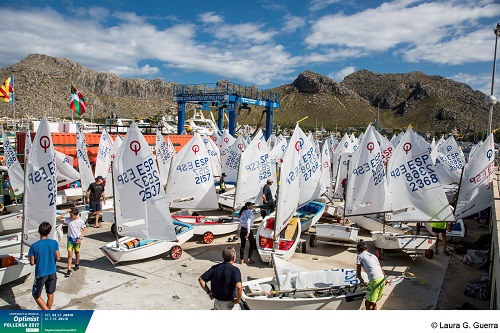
<point>7,261</point>
<point>66,143</point>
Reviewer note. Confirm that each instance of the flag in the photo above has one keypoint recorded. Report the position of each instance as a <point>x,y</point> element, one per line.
<point>78,102</point>
<point>7,90</point>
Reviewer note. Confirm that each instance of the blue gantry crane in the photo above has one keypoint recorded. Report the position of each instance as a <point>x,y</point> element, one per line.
<point>226,97</point>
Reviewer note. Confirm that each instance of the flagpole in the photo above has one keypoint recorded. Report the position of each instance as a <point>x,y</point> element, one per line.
<point>13,105</point>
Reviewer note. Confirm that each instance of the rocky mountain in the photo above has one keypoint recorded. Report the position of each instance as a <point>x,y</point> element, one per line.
<point>428,103</point>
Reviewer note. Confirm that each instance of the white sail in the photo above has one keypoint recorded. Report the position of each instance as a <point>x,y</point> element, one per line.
<point>190,184</point>
<point>213,152</point>
<point>326,173</point>
<point>16,172</point>
<point>66,174</point>
<point>141,207</point>
<point>272,141</point>
<point>332,146</point>
<point>103,154</point>
<point>417,193</point>
<point>343,163</point>
<point>367,191</point>
<point>231,159</point>
<point>310,170</point>
<point>289,276</point>
<point>108,186</point>
<point>476,188</point>
<point>396,140</point>
<point>27,144</point>
<point>278,152</point>
<point>386,147</point>
<point>41,185</point>
<point>449,162</point>
<point>267,169</point>
<point>248,185</point>
<point>164,156</point>
<point>289,186</point>
<point>84,167</point>
<point>474,149</point>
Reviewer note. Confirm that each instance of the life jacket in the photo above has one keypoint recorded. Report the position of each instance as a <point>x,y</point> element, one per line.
<point>438,225</point>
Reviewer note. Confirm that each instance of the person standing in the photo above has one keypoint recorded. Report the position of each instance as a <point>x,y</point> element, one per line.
<point>222,187</point>
<point>376,275</point>
<point>247,219</point>
<point>44,254</point>
<point>439,228</point>
<point>267,198</point>
<point>76,231</point>
<point>94,196</point>
<point>225,280</point>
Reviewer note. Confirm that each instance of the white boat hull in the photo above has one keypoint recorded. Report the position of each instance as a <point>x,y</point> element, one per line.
<point>392,241</point>
<point>345,299</point>
<point>21,269</point>
<point>337,232</point>
<point>72,193</point>
<point>151,248</point>
<point>284,248</point>
<point>217,225</point>
<point>310,214</point>
<point>10,244</point>
<point>11,223</point>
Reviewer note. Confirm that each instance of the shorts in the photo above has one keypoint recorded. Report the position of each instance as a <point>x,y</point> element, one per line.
<point>375,289</point>
<point>95,206</point>
<point>72,245</point>
<point>225,305</point>
<point>439,230</point>
<point>49,281</point>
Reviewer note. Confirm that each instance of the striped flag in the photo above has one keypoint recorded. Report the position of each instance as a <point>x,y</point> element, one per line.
<point>7,90</point>
<point>78,102</point>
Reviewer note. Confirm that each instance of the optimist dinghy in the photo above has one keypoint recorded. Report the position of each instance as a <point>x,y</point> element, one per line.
<point>209,226</point>
<point>141,207</point>
<point>296,288</point>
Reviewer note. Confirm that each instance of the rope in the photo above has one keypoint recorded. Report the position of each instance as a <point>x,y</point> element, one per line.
<point>397,280</point>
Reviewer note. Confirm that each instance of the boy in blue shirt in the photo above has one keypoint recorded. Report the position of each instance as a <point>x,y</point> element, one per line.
<point>44,255</point>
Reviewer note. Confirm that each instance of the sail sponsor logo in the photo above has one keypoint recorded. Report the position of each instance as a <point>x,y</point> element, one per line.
<point>486,174</point>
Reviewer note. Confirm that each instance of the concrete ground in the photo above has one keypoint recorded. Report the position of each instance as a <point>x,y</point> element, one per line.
<point>161,283</point>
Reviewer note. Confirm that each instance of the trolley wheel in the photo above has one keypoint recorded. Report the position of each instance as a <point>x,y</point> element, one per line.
<point>312,240</point>
<point>175,252</point>
<point>465,230</point>
<point>378,253</point>
<point>208,237</point>
<point>303,247</point>
<point>113,228</point>
<point>429,254</point>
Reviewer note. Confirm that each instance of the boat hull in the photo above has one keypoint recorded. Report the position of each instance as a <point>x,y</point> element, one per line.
<point>337,232</point>
<point>217,225</point>
<point>351,300</point>
<point>11,223</point>
<point>392,241</point>
<point>149,249</point>
<point>285,247</point>
<point>10,243</point>
<point>310,214</point>
<point>20,269</point>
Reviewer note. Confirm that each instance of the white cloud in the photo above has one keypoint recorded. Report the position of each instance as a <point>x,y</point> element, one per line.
<point>317,5</point>
<point>210,17</point>
<point>418,26</point>
<point>244,32</point>
<point>481,82</point>
<point>340,75</point>
<point>292,23</point>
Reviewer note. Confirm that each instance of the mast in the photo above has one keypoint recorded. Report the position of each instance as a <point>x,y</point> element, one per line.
<point>114,203</point>
<point>23,225</point>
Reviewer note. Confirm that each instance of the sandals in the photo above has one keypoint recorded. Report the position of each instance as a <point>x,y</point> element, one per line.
<point>97,226</point>
<point>68,273</point>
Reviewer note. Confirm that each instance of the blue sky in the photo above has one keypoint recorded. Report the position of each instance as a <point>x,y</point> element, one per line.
<point>261,42</point>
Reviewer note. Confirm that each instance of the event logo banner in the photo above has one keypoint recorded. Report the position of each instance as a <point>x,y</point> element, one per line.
<point>75,321</point>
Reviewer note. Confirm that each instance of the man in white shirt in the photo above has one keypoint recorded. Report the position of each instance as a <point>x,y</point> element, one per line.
<point>376,275</point>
